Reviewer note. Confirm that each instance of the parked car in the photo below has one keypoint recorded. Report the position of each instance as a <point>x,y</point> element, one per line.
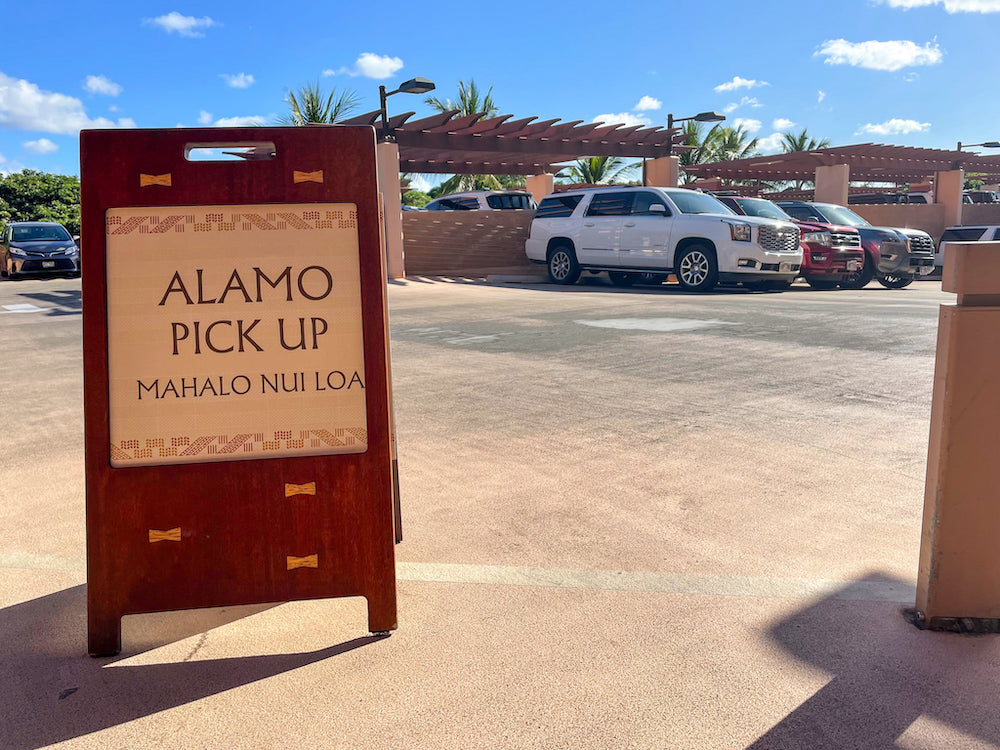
<point>483,200</point>
<point>894,256</point>
<point>982,196</point>
<point>37,247</point>
<point>644,233</point>
<point>868,199</point>
<point>830,253</point>
<point>977,233</point>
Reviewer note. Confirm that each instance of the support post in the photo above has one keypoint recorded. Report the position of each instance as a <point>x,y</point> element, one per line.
<point>387,157</point>
<point>948,192</point>
<point>831,184</point>
<point>662,172</point>
<point>959,574</point>
<point>540,185</point>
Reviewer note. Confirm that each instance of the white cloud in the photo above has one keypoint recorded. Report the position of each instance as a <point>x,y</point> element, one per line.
<point>782,123</point>
<point>421,183</point>
<point>746,101</point>
<point>771,144</point>
<point>751,126</point>
<point>369,65</point>
<point>647,103</point>
<point>24,106</point>
<point>895,126</point>
<point>204,118</point>
<point>175,23</point>
<point>102,85</point>
<point>951,6</point>
<point>238,122</point>
<point>873,55</point>
<point>625,118</point>
<point>41,146</point>
<point>239,81</point>
<point>740,83</point>
<point>820,96</point>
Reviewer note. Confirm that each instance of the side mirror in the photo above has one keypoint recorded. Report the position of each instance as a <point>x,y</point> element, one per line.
<point>658,208</point>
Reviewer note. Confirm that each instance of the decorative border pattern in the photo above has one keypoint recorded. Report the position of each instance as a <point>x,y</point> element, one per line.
<point>222,445</point>
<point>218,221</point>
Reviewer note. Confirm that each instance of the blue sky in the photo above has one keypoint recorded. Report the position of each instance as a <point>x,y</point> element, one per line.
<point>905,72</point>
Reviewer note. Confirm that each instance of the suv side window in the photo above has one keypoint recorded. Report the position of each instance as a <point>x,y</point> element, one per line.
<point>802,213</point>
<point>972,234</point>
<point>557,206</point>
<point>610,204</point>
<point>512,201</point>
<point>643,200</point>
<point>996,234</point>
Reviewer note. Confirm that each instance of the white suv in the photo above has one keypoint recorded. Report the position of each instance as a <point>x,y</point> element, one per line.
<point>978,233</point>
<point>643,233</point>
<point>483,200</point>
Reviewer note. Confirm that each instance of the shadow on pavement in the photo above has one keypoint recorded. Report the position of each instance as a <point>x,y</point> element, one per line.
<point>51,691</point>
<point>886,674</point>
<point>65,302</point>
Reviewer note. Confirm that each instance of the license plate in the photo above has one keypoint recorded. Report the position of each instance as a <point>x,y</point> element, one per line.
<point>784,268</point>
<point>48,264</point>
<point>853,265</point>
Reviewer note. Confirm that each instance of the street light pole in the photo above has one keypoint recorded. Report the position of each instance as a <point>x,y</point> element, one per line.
<point>700,117</point>
<point>986,144</point>
<point>413,86</point>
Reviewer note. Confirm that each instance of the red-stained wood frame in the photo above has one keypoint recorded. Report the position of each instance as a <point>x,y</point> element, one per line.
<point>237,526</point>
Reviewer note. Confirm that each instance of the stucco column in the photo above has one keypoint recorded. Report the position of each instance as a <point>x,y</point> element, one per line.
<point>831,184</point>
<point>959,574</point>
<point>540,185</point>
<point>948,191</point>
<point>387,161</point>
<point>662,172</point>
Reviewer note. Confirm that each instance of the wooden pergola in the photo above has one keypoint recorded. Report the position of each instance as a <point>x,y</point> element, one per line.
<point>868,162</point>
<point>449,143</point>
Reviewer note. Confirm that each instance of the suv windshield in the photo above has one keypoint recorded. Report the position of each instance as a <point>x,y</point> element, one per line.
<point>41,233</point>
<point>690,202</point>
<point>840,215</point>
<point>762,208</point>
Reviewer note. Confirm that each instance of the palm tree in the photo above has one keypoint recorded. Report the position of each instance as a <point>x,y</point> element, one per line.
<point>470,101</point>
<point>732,143</point>
<point>801,142</point>
<point>597,170</point>
<point>309,106</point>
<point>704,147</point>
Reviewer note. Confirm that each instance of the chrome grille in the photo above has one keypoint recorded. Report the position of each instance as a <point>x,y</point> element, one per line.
<point>845,239</point>
<point>921,243</point>
<point>775,240</point>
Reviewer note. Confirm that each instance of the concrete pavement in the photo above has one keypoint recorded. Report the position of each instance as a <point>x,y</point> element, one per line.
<point>632,518</point>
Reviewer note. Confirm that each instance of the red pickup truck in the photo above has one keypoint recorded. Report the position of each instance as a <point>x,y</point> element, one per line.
<point>830,252</point>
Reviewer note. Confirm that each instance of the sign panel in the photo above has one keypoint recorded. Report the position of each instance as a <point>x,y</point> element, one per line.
<point>236,379</point>
<point>234,332</point>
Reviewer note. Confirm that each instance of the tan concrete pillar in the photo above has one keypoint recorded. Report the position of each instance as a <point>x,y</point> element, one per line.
<point>948,191</point>
<point>959,574</point>
<point>662,172</point>
<point>831,184</point>
<point>540,185</point>
<point>387,160</point>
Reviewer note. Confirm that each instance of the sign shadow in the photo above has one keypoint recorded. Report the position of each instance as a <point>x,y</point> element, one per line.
<point>886,674</point>
<point>51,691</point>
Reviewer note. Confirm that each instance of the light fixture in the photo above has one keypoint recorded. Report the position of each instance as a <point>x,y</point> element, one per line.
<point>700,117</point>
<point>413,86</point>
<point>987,144</point>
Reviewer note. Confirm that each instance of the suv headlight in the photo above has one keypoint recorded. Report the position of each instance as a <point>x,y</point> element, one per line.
<point>740,232</point>
<point>818,238</point>
<point>17,252</point>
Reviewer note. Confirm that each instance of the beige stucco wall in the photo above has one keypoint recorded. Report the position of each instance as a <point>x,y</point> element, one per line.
<point>466,242</point>
<point>981,213</point>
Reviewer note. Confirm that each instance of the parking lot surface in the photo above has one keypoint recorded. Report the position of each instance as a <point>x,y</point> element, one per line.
<point>632,518</point>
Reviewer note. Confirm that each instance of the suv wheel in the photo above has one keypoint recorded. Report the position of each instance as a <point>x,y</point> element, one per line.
<point>891,281</point>
<point>860,278</point>
<point>563,268</point>
<point>697,269</point>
